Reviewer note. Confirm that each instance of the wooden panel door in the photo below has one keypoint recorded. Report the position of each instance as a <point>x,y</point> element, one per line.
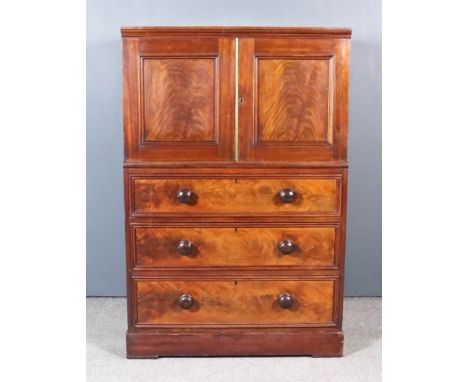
<point>293,99</point>
<point>178,98</point>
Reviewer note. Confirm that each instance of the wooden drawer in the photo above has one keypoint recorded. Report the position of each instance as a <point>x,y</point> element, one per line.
<point>166,247</point>
<point>238,196</point>
<point>234,302</point>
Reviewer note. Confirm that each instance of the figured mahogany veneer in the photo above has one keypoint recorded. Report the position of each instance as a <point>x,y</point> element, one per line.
<point>293,95</point>
<point>235,189</point>
<point>295,99</point>
<point>234,302</point>
<point>152,196</point>
<point>158,247</point>
<point>180,100</point>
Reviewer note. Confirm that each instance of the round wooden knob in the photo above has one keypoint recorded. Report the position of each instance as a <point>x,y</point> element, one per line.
<point>185,301</point>
<point>185,247</point>
<point>285,300</point>
<point>287,195</point>
<point>286,247</point>
<point>185,196</point>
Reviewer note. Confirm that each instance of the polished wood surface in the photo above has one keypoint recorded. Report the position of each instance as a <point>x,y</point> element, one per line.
<point>293,100</point>
<point>248,342</point>
<point>234,302</point>
<point>246,247</point>
<point>242,31</point>
<point>238,195</point>
<point>235,171</point>
<point>295,105</point>
<point>180,100</point>
<point>177,98</point>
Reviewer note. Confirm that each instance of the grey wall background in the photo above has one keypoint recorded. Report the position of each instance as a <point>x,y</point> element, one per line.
<point>105,214</point>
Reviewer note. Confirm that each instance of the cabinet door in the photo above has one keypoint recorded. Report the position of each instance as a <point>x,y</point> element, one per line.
<point>293,99</point>
<point>178,98</point>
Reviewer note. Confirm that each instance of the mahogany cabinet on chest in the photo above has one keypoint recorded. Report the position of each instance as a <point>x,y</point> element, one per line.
<point>235,189</point>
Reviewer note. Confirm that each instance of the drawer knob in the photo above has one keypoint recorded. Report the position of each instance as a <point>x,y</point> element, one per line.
<point>287,195</point>
<point>185,196</point>
<point>285,300</point>
<point>185,247</point>
<point>286,247</point>
<point>185,301</point>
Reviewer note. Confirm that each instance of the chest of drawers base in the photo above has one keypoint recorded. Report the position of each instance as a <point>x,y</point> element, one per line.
<point>209,278</point>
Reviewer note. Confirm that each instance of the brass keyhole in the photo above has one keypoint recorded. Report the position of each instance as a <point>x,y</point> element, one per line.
<point>241,101</point>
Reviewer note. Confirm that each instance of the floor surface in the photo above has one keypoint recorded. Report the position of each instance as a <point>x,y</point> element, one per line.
<point>106,361</point>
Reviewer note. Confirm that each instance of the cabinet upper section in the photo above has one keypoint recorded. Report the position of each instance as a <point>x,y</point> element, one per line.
<point>213,94</point>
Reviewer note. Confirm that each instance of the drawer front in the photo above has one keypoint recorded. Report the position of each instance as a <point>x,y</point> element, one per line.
<point>234,302</point>
<point>231,247</point>
<point>152,196</point>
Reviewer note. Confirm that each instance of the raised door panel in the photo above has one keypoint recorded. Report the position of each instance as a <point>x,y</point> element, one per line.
<point>178,99</point>
<point>293,101</point>
<point>293,95</point>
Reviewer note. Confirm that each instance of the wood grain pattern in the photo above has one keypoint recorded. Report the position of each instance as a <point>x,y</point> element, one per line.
<point>295,104</point>
<point>239,195</point>
<point>293,100</point>
<point>179,98</point>
<point>212,247</point>
<point>316,342</point>
<point>234,302</point>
